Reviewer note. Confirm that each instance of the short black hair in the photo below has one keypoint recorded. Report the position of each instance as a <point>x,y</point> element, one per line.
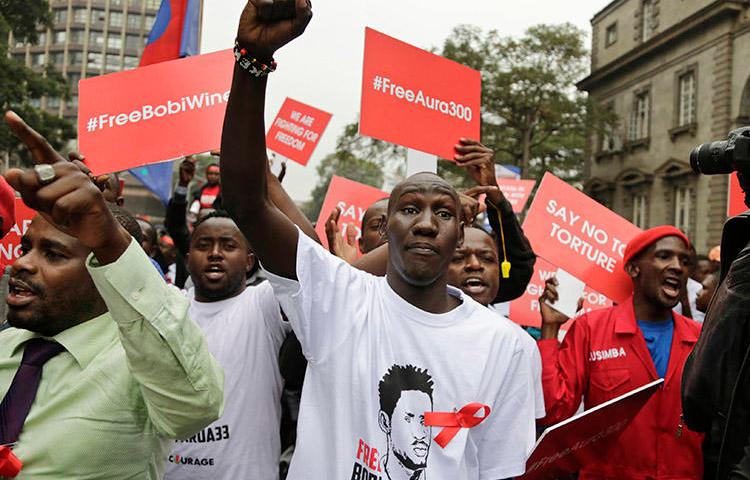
<point>127,220</point>
<point>225,214</point>
<point>152,236</point>
<point>398,379</point>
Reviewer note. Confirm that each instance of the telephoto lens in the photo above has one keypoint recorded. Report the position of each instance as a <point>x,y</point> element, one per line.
<point>711,158</point>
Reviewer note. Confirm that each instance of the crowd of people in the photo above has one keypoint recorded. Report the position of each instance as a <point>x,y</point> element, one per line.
<point>230,344</point>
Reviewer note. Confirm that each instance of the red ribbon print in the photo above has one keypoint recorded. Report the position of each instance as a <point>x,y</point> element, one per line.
<point>453,422</point>
<point>10,465</point>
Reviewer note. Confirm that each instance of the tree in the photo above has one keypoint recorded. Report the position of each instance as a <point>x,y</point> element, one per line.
<point>533,115</point>
<point>19,85</point>
<point>344,164</point>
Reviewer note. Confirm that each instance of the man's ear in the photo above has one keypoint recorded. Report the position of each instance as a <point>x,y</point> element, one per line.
<point>250,262</point>
<point>384,422</point>
<point>632,270</point>
<point>461,234</point>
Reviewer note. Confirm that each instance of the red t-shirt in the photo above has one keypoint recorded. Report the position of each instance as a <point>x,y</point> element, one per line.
<point>208,196</point>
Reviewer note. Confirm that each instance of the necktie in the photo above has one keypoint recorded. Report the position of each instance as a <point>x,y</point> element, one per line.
<point>17,402</point>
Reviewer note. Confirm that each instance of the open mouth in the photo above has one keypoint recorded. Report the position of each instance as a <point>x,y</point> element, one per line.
<point>473,285</point>
<point>19,293</point>
<point>672,287</point>
<point>214,272</point>
<point>420,450</point>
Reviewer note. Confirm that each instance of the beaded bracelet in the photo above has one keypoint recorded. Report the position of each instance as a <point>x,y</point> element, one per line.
<point>251,64</point>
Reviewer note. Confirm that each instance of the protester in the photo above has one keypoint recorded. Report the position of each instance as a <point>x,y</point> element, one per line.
<point>149,242</point>
<point>209,192</point>
<point>124,368</point>
<point>176,222</point>
<point>386,356</point>
<point>372,224</point>
<point>244,330</point>
<point>709,285</point>
<point>703,268</point>
<point>612,351</point>
<point>475,269</point>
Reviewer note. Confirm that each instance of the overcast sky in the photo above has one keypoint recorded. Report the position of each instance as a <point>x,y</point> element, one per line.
<point>324,67</point>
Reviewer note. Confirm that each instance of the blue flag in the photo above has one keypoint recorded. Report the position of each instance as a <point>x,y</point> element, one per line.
<point>157,178</point>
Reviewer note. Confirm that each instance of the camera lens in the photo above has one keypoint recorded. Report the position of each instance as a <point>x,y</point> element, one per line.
<point>712,158</point>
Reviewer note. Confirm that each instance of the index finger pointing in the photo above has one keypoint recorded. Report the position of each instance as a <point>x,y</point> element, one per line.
<point>41,151</point>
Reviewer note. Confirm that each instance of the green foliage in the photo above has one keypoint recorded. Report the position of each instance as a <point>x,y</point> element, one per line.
<point>533,116</point>
<point>19,84</point>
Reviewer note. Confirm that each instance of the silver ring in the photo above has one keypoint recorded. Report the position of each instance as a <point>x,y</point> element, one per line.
<point>45,173</point>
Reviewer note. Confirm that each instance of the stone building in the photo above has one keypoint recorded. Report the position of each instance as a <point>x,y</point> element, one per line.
<point>90,38</point>
<point>677,73</point>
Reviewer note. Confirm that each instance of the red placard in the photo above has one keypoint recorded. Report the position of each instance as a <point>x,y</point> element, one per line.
<point>10,245</point>
<point>566,447</point>
<point>417,99</point>
<point>581,236</point>
<point>353,198</point>
<point>154,113</point>
<point>525,309</point>
<point>736,203</point>
<point>517,192</point>
<point>296,130</point>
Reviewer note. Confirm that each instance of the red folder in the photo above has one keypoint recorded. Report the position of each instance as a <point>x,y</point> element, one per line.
<point>566,447</point>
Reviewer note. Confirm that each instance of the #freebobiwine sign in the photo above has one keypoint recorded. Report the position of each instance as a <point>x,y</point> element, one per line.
<point>154,113</point>
<point>417,99</point>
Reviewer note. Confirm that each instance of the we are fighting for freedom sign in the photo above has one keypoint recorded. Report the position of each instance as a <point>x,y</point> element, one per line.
<point>296,130</point>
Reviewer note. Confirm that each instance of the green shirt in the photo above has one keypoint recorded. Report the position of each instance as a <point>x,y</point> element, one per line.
<point>127,382</point>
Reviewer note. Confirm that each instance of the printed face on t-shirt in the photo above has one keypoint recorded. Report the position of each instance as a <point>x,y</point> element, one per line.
<point>410,438</point>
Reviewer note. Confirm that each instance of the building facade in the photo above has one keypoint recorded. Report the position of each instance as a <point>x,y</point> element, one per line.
<point>677,74</point>
<point>90,38</point>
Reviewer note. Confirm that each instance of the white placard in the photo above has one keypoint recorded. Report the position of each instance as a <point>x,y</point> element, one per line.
<point>569,291</point>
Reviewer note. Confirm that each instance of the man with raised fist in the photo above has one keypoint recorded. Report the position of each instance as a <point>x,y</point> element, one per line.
<point>103,366</point>
<point>354,328</point>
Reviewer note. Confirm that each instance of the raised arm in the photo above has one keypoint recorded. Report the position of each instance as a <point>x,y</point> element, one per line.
<point>243,146</point>
<point>513,245</point>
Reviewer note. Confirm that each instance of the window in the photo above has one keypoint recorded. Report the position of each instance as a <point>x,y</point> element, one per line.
<point>36,102</point>
<point>132,42</point>
<point>73,102</point>
<point>57,58</point>
<point>640,205</point>
<point>38,59</point>
<point>76,37</point>
<point>149,22</point>
<point>610,36</point>
<point>113,62</point>
<point>647,16</point>
<point>686,99</point>
<point>94,60</point>
<point>75,58</point>
<point>80,15</point>
<point>61,16</point>
<point>73,79</point>
<point>96,38</point>
<point>114,41</point>
<point>115,19</point>
<point>130,62</point>
<point>60,37</point>
<point>134,21</point>
<point>682,209</point>
<point>20,58</point>
<point>53,102</point>
<point>98,16</point>
<point>639,117</point>
<point>135,4</point>
<point>42,39</point>
<point>153,4</point>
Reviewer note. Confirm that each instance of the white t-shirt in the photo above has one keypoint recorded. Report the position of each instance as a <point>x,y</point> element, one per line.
<point>366,345</point>
<point>244,334</point>
<point>532,351</point>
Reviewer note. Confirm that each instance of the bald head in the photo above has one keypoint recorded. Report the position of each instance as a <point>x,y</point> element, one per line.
<point>422,182</point>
